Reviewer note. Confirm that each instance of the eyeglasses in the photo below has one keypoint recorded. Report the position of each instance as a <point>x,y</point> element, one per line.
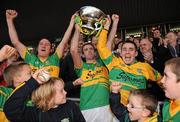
<point>135,107</point>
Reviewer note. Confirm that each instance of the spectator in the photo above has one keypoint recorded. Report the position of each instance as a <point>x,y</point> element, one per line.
<point>147,55</point>
<point>171,84</point>
<point>178,37</point>
<point>49,99</point>
<point>172,50</point>
<point>157,40</point>
<point>173,46</point>
<point>137,42</point>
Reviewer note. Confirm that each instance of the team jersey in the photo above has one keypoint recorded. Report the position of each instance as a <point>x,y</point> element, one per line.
<point>133,76</point>
<point>51,64</point>
<point>154,118</point>
<point>4,93</point>
<point>95,89</point>
<point>171,111</point>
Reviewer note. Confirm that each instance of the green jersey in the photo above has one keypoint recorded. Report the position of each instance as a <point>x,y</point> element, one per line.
<point>171,111</point>
<point>95,89</point>
<point>4,94</point>
<point>132,76</point>
<point>51,64</point>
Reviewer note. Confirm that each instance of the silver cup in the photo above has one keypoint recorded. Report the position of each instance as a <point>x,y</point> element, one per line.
<point>91,20</point>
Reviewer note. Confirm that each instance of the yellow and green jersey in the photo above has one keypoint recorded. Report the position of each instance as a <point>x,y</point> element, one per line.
<point>153,118</point>
<point>171,111</point>
<point>51,64</point>
<point>4,94</point>
<point>133,76</point>
<point>95,89</point>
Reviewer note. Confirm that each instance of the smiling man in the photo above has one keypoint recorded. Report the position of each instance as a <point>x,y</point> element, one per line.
<point>125,69</point>
<point>43,57</point>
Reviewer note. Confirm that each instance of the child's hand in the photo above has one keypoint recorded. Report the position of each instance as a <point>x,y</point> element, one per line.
<point>77,82</point>
<point>115,86</point>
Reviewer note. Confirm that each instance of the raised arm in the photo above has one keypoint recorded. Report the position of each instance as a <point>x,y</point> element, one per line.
<point>74,48</point>
<point>67,35</point>
<point>113,31</point>
<point>118,109</point>
<point>103,51</point>
<point>10,16</point>
<point>15,107</point>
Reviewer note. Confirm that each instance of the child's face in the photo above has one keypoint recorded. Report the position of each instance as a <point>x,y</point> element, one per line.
<point>135,107</point>
<point>25,74</point>
<point>170,84</point>
<point>60,95</point>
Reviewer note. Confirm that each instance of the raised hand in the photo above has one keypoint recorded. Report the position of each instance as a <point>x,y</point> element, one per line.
<point>77,82</point>
<point>148,56</point>
<point>6,52</point>
<point>115,18</point>
<point>115,87</point>
<point>11,14</point>
<point>107,23</point>
<point>73,17</point>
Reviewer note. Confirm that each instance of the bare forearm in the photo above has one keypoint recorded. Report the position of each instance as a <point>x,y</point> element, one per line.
<point>74,42</point>
<point>12,33</point>
<point>111,35</point>
<point>67,33</point>
<point>74,49</point>
<point>64,42</point>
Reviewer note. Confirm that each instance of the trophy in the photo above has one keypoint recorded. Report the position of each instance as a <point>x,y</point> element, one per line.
<point>90,20</point>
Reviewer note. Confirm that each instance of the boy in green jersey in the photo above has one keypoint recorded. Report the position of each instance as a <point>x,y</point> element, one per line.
<point>171,84</point>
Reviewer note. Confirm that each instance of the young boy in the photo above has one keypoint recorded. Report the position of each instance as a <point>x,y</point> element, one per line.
<point>14,74</point>
<point>50,102</point>
<point>171,84</point>
<point>141,106</point>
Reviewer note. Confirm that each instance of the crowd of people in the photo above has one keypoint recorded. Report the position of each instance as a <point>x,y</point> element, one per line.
<point>116,80</point>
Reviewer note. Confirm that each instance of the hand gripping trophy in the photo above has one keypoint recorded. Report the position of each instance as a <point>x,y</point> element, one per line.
<point>90,20</point>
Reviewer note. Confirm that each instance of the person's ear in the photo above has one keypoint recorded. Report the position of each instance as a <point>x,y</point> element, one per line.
<point>146,112</point>
<point>136,53</point>
<point>151,45</point>
<point>15,80</point>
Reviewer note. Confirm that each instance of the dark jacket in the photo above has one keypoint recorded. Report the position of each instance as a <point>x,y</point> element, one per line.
<point>118,109</point>
<point>68,74</point>
<point>16,110</point>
